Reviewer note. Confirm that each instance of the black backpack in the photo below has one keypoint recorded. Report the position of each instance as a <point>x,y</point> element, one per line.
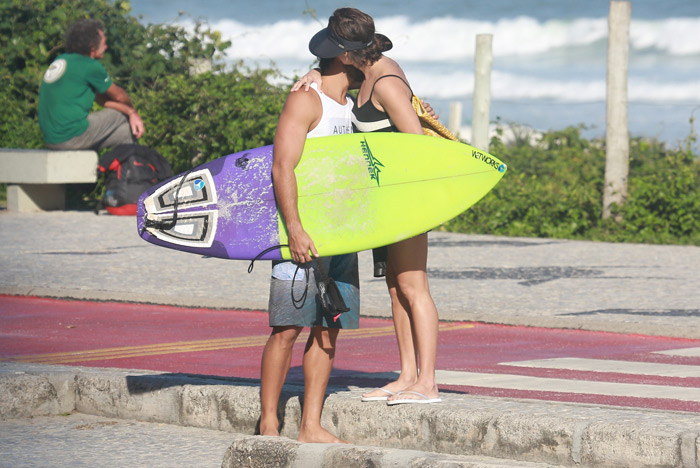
<point>130,170</point>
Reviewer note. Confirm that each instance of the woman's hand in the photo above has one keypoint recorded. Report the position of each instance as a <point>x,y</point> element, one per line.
<point>313,76</point>
<point>429,109</point>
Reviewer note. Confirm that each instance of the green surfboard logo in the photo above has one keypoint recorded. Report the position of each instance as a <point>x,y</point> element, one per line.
<point>373,164</point>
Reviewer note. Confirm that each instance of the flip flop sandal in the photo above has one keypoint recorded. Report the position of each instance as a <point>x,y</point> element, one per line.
<point>379,398</point>
<point>424,399</point>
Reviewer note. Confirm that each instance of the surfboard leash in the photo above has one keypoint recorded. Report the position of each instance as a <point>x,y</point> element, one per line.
<point>328,293</point>
<point>267,250</point>
<point>166,224</point>
<point>298,303</point>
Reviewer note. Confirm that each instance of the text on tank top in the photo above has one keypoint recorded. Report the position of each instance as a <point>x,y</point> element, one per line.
<point>336,118</point>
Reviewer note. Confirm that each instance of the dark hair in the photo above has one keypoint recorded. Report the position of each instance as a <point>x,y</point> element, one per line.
<point>82,36</point>
<point>355,76</point>
<point>325,63</point>
<point>354,25</point>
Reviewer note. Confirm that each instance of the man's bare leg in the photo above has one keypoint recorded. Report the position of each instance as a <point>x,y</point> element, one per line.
<point>318,362</point>
<point>276,359</point>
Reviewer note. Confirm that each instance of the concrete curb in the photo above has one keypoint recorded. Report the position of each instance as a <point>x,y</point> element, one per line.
<point>462,425</point>
<point>257,451</point>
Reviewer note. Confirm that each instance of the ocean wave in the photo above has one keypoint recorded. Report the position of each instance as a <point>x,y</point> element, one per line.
<point>562,61</point>
<point>453,39</point>
<point>456,85</point>
<point>516,87</point>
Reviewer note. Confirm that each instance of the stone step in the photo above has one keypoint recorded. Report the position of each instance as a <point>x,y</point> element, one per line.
<point>573,435</point>
<point>281,452</point>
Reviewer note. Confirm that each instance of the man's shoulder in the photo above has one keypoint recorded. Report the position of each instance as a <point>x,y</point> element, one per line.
<point>73,57</point>
<point>303,96</point>
<point>304,102</point>
<point>80,60</point>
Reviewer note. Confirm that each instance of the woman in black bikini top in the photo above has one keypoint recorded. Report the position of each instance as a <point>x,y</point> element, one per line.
<point>368,118</point>
<point>384,104</point>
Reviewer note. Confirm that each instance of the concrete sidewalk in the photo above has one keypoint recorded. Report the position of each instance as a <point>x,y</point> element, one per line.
<point>539,282</point>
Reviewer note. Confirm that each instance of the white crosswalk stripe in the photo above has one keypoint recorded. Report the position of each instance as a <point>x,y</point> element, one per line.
<point>576,385</point>
<point>546,384</point>
<point>619,367</point>
<point>687,352</point>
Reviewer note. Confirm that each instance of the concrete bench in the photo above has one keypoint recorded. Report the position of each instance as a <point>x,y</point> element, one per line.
<point>37,178</point>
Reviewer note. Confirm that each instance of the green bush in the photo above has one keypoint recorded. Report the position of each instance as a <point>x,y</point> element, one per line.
<point>554,189</point>
<point>664,200</point>
<point>192,120</point>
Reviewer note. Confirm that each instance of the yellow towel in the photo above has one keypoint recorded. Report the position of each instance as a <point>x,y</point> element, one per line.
<point>430,125</point>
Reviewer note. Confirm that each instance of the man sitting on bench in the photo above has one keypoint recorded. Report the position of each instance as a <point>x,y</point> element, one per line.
<point>71,84</point>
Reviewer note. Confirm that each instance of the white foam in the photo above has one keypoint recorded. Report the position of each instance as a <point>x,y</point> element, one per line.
<point>280,40</point>
<point>675,36</point>
<point>510,86</point>
<point>437,55</point>
<point>448,38</point>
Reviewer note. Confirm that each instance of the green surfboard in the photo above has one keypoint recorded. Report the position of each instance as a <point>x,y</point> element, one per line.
<point>356,192</point>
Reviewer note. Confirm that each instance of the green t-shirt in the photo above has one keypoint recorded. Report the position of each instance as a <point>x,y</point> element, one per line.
<point>66,96</point>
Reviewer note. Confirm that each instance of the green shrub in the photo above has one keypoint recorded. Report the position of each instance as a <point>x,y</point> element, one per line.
<point>664,201</point>
<point>554,189</point>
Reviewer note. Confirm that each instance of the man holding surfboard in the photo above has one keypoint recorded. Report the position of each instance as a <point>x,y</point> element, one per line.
<point>293,297</point>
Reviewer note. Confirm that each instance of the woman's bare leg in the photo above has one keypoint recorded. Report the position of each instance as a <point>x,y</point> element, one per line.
<point>409,262</point>
<point>404,339</point>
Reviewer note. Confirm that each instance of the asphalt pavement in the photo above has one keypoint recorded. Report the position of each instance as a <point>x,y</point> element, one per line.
<point>621,288</point>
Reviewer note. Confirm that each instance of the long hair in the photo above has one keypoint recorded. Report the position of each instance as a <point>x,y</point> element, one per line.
<point>354,25</point>
<point>82,36</point>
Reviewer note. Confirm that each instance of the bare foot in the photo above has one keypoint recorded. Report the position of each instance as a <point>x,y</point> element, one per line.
<point>269,428</point>
<point>318,435</point>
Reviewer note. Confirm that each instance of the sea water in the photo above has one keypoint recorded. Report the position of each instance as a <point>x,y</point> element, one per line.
<point>549,56</point>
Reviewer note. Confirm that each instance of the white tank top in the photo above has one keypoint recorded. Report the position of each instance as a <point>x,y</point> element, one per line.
<point>336,118</point>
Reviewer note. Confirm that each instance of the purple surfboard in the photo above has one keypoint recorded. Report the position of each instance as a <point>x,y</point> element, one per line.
<point>226,208</point>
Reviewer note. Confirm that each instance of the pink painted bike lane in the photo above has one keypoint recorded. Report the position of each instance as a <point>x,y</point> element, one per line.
<point>473,358</point>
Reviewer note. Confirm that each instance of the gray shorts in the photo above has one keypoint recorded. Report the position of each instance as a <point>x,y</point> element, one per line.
<point>300,307</point>
<point>106,128</point>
